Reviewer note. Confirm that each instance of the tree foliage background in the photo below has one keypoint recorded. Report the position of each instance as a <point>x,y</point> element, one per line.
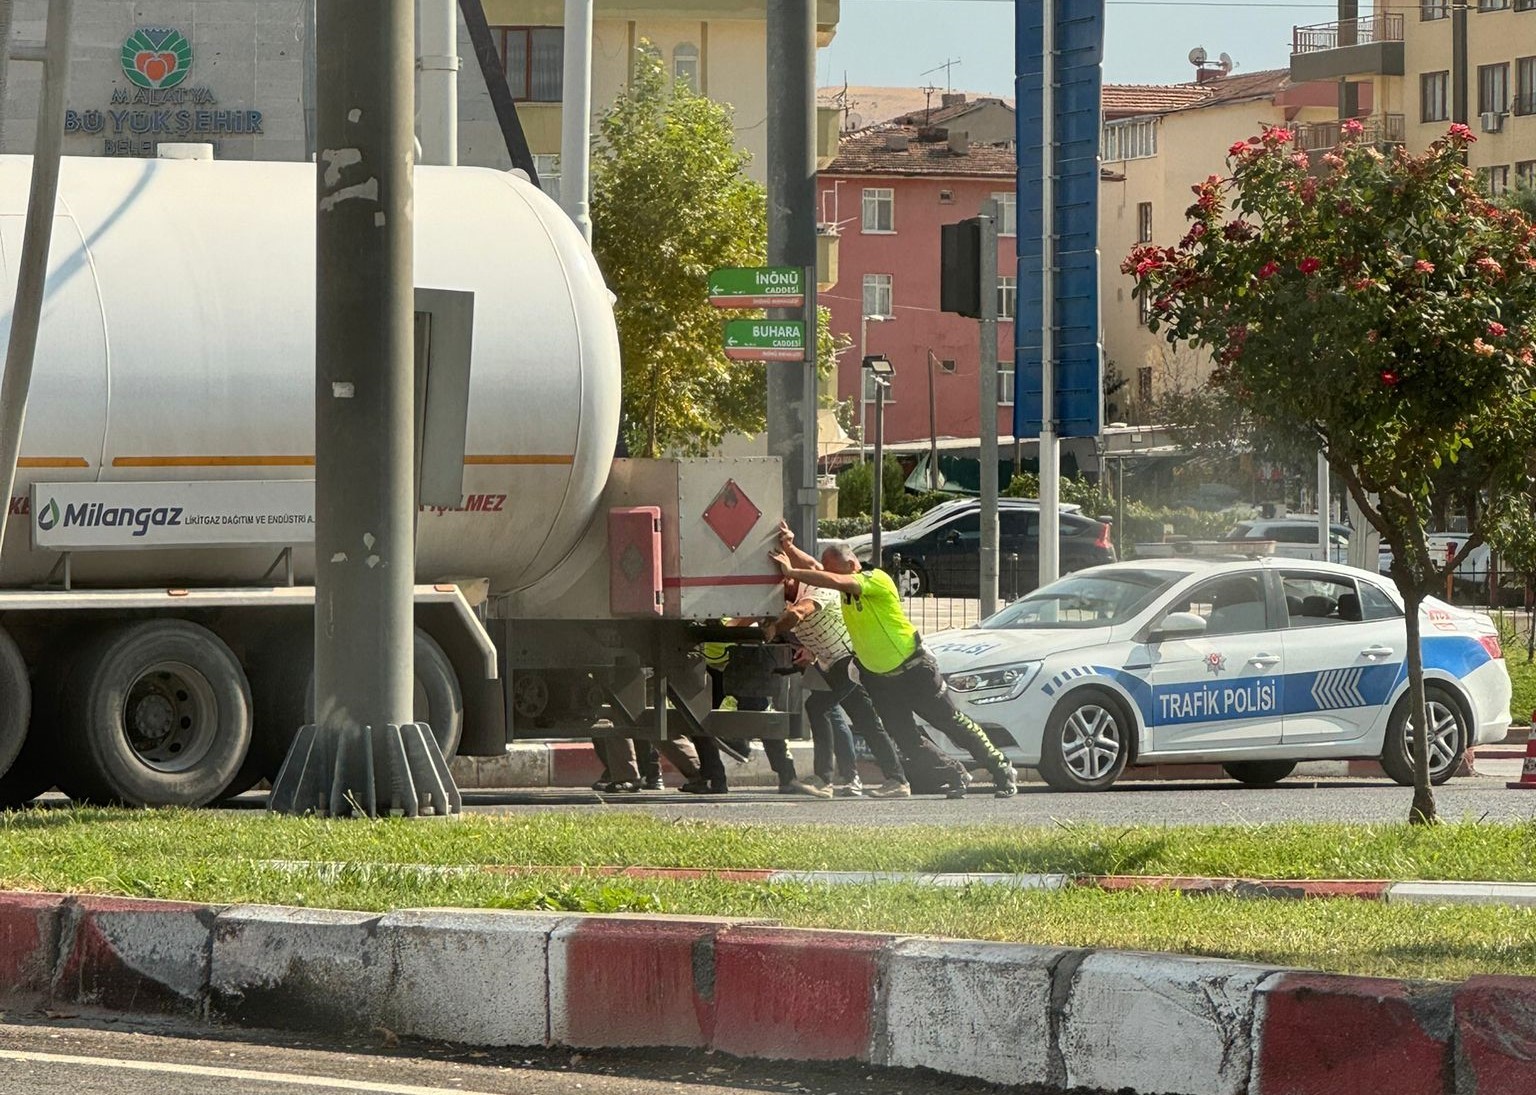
<point>1376,307</point>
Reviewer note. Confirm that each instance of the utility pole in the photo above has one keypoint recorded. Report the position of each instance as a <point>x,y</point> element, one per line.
<point>576,116</point>
<point>791,57</point>
<point>1050,444</point>
<point>365,754</point>
<point>437,48</point>
<point>1459,62</point>
<point>7,13</point>
<point>37,236</point>
<point>988,420</point>
<point>933,429</point>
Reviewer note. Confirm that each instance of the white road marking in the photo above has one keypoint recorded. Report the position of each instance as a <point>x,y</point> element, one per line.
<point>293,1079</point>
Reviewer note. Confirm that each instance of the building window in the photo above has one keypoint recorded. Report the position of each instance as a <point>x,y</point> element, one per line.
<point>1144,222</point>
<point>1493,89</point>
<point>946,197</point>
<point>1434,96</point>
<point>1525,85</point>
<point>1525,5</point>
<point>534,58</point>
<point>1495,179</point>
<point>877,294</point>
<point>1492,5</point>
<point>1435,9</point>
<point>1129,139</point>
<point>879,209</point>
<point>1144,387</point>
<point>1005,381</point>
<point>1007,297</point>
<point>685,65</point>
<point>1525,173</point>
<point>1143,308</point>
<point>548,168</point>
<point>1007,213</point>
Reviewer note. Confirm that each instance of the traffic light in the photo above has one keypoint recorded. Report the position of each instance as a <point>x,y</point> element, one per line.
<point>960,268</point>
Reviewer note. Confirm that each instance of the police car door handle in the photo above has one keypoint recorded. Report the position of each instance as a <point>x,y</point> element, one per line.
<point>1377,651</point>
<point>1263,661</point>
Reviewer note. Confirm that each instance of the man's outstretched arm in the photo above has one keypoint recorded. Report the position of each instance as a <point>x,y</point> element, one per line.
<point>788,546</point>
<point>826,579</point>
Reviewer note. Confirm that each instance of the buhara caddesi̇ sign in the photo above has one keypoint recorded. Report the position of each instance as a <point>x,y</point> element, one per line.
<point>157,105</point>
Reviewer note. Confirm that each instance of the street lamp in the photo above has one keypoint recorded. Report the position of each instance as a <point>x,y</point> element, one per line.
<point>864,322</point>
<point>881,371</point>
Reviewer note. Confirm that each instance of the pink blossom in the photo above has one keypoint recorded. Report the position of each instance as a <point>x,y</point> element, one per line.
<point>1352,128</point>
<point>1309,265</point>
<point>1525,356</point>
<point>1424,266</point>
<point>1360,285</point>
<point>1237,149</point>
<point>1278,135</point>
<point>1489,266</point>
<point>1269,269</point>
<point>1497,330</point>
<point>1301,161</point>
<point>1459,132</point>
<point>1481,348</point>
<point>1390,378</point>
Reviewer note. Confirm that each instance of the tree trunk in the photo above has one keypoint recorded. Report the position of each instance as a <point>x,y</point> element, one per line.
<point>1423,810</point>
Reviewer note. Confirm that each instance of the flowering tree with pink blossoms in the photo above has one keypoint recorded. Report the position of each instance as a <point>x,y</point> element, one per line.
<point>1380,308</point>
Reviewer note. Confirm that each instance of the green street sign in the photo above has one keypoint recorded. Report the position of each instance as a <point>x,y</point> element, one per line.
<point>757,287</point>
<point>765,340</point>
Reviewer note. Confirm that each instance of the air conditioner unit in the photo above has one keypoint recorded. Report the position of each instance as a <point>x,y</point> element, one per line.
<point>1493,121</point>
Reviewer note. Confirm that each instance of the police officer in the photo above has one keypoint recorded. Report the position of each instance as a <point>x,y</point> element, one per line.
<point>902,678</point>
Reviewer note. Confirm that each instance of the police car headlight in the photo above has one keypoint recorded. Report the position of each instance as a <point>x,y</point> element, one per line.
<point>1000,684</point>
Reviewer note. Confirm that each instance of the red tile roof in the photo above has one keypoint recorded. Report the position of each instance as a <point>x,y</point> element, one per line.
<point>1124,100</point>
<point>942,115</point>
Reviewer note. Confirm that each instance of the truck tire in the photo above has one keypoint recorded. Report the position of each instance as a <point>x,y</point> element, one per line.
<point>157,713</point>
<point>283,698</point>
<point>15,701</point>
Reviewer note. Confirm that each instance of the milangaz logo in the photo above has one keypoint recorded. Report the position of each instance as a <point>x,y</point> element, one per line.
<point>100,515</point>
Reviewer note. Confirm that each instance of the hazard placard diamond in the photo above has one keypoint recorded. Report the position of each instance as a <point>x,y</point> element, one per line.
<point>731,515</point>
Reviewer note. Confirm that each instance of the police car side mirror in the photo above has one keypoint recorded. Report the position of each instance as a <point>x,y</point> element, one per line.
<point>1178,625</point>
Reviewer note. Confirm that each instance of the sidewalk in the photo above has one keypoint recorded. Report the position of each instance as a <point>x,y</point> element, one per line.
<point>1007,1013</point>
<point>534,764</point>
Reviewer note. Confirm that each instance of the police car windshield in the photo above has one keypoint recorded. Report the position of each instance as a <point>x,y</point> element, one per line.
<point>1086,600</point>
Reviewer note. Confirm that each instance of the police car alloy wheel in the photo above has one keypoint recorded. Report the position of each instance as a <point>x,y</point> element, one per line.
<point>911,580</point>
<point>1447,738</point>
<point>1086,742</point>
<point>1259,773</point>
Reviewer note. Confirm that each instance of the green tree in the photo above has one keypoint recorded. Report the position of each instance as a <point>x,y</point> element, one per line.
<point>1383,311</point>
<point>670,203</point>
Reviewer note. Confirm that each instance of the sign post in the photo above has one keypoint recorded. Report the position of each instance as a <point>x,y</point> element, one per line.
<point>757,287</point>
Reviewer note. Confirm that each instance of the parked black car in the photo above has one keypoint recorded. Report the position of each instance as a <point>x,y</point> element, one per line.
<point>940,552</point>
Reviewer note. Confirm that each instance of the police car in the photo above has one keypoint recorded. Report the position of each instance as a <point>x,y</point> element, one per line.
<point>1254,663</point>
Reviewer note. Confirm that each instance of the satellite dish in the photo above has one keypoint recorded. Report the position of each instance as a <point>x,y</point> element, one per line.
<point>855,121</point>
<point>1197,55</point>
<point>1227,64</point>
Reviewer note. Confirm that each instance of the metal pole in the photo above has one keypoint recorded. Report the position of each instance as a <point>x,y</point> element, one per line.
<point>1050,445</point>
<point>877,487</point>
<point>37,237</point>
<point>1459,62</point>
<point>933,430</point>
<point>791,56</point>
<point>7,11</point>
<point>863,403</point>
<point>437,44</point>
<point>365,754</point>
<point>988,418</point>
<point>576,115</point>
<point>1324,509</point>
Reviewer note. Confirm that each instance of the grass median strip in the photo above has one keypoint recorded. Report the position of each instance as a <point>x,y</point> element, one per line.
<point>376,866</point>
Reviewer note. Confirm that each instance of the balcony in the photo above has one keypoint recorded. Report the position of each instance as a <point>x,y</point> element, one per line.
<point>1383,130</point>
<point>1369,46</point>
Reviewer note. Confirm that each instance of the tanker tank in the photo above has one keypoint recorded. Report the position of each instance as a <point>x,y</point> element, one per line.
<point>177,344</point>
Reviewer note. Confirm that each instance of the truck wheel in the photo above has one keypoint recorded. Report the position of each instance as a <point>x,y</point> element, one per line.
<point>1087,742</point>
<point>157,713</point>
<point>283,695</point>
<point>1447,738</point>
<point>15,701</point>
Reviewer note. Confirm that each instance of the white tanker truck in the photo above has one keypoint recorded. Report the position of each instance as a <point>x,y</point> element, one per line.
<point>155,619</point>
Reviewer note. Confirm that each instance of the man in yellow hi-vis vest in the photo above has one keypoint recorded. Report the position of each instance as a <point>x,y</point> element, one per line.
<point>901,677</point>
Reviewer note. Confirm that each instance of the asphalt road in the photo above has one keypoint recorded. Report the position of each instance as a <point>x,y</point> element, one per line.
<point>1482,797</point>
<point>81,1055</point>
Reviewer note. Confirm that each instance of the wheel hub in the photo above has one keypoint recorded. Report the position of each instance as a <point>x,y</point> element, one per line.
<point>1090,742</point>
<point>171,717</point>
<point>152,717</point>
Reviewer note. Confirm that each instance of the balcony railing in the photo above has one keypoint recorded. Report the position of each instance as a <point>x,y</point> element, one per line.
<point>1379,129</point>
<point>1387,27</point>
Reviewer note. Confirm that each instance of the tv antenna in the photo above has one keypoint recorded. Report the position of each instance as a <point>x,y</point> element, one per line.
<point>948,67</point>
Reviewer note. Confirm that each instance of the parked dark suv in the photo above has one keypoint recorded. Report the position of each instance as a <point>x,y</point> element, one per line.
<point>940,552</point>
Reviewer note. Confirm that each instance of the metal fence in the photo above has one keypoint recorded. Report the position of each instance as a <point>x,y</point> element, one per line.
<point>1348,32</point>
<point>939,594</point>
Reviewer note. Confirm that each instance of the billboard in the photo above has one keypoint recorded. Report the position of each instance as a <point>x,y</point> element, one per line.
<point>1074,307</point>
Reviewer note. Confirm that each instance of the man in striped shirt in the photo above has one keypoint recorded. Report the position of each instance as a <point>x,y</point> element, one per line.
<point>815,618</point>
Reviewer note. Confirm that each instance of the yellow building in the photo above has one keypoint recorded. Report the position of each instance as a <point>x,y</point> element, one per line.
<point>719,46</point>
<point>1407,56</point>
<point>1158,142</point>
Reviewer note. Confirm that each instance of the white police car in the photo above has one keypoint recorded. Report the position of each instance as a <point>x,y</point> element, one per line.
<point>1252,663</point>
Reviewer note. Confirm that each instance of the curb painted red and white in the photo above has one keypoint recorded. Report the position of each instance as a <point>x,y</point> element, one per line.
<point>1007,1013</point>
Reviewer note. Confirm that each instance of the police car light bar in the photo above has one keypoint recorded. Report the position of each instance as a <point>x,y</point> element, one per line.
<point>1207,549</point>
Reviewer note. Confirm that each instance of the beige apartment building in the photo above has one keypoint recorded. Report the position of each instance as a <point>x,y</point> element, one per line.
<point>1159,141</point>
